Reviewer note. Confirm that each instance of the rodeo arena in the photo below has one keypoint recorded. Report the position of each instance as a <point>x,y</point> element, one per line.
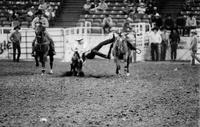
<point>99,63</point>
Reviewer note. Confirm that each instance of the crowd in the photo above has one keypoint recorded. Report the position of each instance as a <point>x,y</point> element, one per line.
<point>16,15</point>
<point>145,9</point>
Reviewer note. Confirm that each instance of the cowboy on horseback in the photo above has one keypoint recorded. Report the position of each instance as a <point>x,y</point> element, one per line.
<point>42,21</point>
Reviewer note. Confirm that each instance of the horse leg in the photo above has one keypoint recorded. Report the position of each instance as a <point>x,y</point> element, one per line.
<point>51,63</point>
<point>127,66</point>
<point>117,66</point>
<point>36,61</point>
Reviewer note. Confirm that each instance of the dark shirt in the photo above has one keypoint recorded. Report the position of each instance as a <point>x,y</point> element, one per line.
<point>174,38</point>
<point>158,21</point>
<point>180,21</point>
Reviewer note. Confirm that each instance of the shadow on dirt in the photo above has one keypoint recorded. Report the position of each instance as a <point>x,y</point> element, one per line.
<point>69,74</point>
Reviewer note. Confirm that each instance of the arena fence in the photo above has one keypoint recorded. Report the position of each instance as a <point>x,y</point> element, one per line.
<point>65,37</point>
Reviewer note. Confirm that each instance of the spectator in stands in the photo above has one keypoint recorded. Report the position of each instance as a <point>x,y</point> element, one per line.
<point>174,40</point>
<point>141,9</point>
<point>193,47</point>
<point>30,14</point>
<point>169,23</point>
<point>191,23</point>
<point>149,9</point>
<point>48,12</point>
<point>107,23</point>
<point>155,10</point>
<point>164,43</point>
<point>157,20</point>
<point>40,18</point>
<point>42,6</point>
<point>155,40</point>
<point>87,6</point>
<point>94,4</point>
<point>102,6</point>
<point>180,23</point>
<point>15,38</point>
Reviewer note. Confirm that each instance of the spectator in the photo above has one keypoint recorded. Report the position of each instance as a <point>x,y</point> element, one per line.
<point>102,6</point>
<point>107,23</point>
<point>87,6</point>
<point>141,9</point>
<point>15,38</point>
<point>149,9</point>
<point>155,40</point>
<point>157,20</point>
<point>42,6</point>
<point>94,4</point>
<point>155,10</point>
<point>169,23</point>
<point>191,23</point>
<point>30,14</point>
<point>48,12</point>
<point>164,43</point>
<point>193,47</point>
<point>180,23</point>
<point>174,40</point>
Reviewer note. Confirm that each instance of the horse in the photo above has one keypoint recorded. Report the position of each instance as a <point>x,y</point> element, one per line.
<point>76,65</point>
<point>122,51</point>
<point>42,48</point>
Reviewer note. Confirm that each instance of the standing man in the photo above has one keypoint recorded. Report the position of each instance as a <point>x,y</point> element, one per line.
<point>193,47</point>
<point>41,20</point>
<point>174,40</point>
<point>164,43</point>
<point>155,40</point>
<point>15,38</point>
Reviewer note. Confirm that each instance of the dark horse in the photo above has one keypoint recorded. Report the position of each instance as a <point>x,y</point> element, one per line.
<point>122,51</point>
<point>42,48</point>
<point>76,65</point>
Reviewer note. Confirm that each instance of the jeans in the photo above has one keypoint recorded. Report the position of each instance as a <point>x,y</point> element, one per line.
<point>16,46</point>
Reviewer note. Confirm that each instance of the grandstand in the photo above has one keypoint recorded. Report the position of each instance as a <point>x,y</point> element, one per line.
<point>69,13</point>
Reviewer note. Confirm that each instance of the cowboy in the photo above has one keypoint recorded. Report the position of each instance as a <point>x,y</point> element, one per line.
<point>41,20</point>
<point>155,41</point>
<point>164,43</point>
<point>193,47</point>
<point>95,51</point>
<point>15,38</point>
<point>51,47</point>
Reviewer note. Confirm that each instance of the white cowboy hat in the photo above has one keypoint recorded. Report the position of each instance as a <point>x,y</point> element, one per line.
<point>157,14</point>
<point>79,39</point>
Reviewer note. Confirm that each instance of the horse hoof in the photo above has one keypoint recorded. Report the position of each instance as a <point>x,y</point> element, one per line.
<point>81,74</point>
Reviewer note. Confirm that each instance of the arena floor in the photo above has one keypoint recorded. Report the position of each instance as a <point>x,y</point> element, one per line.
<point>157,94</point>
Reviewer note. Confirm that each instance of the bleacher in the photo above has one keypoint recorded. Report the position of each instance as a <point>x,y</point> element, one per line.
<point>115,10</point>
<point>193,8</point>
<point>21,7</point>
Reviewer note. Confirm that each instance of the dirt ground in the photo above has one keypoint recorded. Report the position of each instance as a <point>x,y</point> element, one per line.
<point>157,94</point>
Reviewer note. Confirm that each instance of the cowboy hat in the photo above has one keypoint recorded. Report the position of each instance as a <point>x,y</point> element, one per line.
<point>39,12</point>
<point>157,14</point>
<point>17,27</point>
<point>79,39</point>
<point>193,31</point>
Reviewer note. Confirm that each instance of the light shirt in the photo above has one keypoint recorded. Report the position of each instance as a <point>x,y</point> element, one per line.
<point>191,22</point>
<point>155,38</point>
<point>193,44</point>
<point>43,20</point>
<point>80,47</point>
